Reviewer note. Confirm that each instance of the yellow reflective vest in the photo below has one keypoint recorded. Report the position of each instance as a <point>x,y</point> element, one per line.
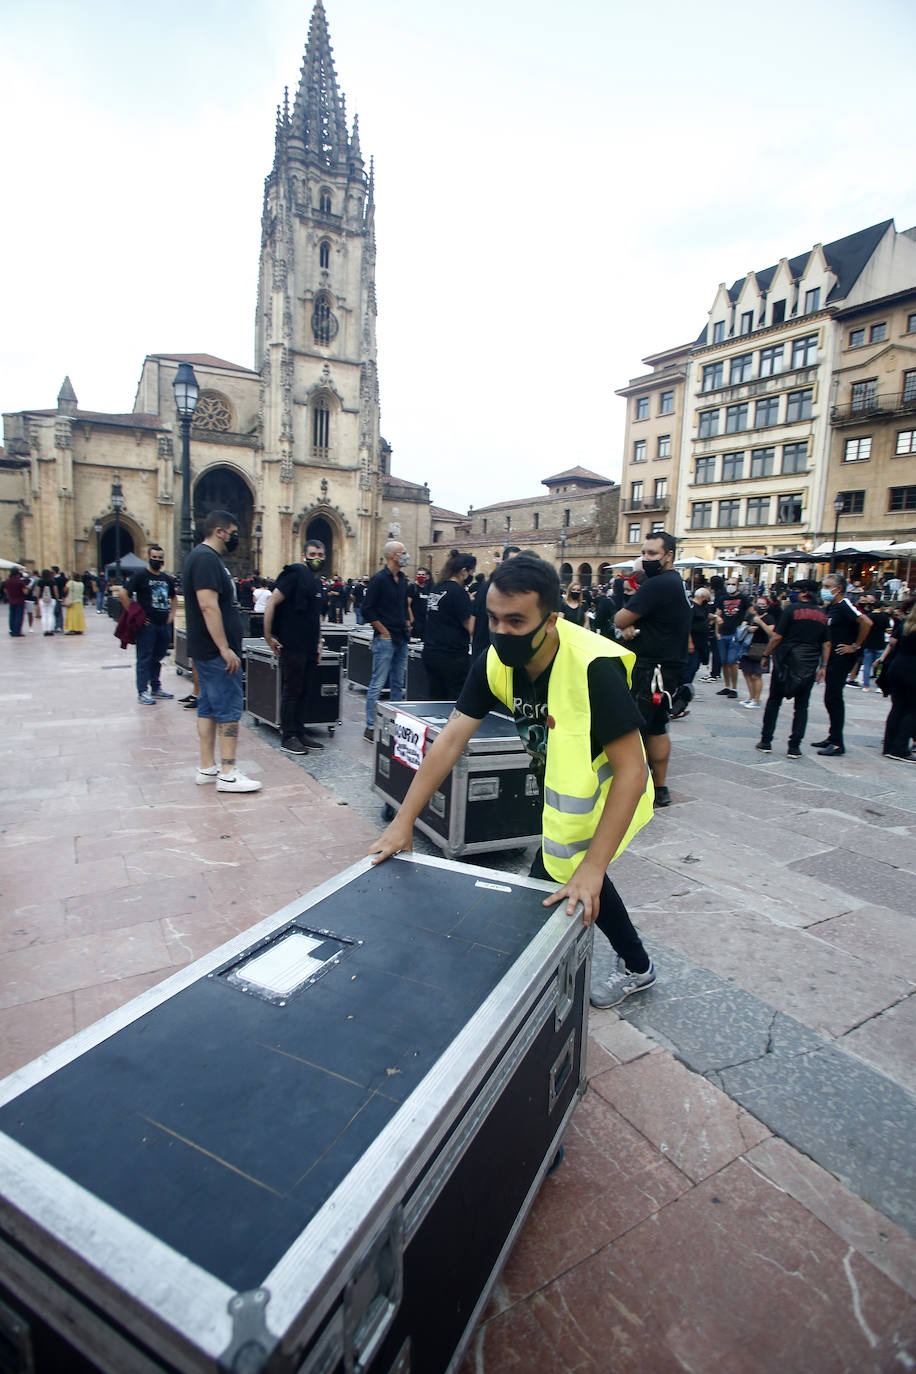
<point>575,784</point>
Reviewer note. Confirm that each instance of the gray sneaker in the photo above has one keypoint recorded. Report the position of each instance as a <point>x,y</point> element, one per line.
<point>622,984</point>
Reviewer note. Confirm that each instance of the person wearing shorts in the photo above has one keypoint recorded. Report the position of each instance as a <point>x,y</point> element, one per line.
<point>215,647</point>
<point>656,625</point>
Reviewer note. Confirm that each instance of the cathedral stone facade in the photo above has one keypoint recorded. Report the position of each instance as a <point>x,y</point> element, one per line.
<point>292,445</point>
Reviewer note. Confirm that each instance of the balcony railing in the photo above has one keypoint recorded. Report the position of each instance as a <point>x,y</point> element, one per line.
<point>646,503</point>
<point>873,408</point>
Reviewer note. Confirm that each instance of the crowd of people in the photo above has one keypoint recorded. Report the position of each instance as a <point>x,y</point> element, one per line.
<point>52,600</point>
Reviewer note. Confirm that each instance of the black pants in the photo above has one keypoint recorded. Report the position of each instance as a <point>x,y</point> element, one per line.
<point>771,710</point>
<point>613,921</point>
<point>837,672</point>
<point>901,723</point>
<point>446,673</point>
<point>296,674</point>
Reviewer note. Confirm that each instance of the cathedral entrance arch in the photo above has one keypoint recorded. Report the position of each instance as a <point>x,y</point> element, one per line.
<point>220,488</point>
<point>320,528</point>
<point>113,540</point>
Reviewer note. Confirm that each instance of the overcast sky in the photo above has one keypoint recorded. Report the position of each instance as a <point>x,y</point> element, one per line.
<point>559,191</point>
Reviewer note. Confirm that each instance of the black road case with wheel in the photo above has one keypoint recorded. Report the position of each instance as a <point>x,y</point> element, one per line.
<point>307,1153</point>
<point>490,799</point>
<point>264,683</point>
<point>182,657</point>
<point>359,665</point>
<point>336,638</point>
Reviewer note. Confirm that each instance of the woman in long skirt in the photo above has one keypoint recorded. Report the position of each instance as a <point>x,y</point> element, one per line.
<point>74,619</point>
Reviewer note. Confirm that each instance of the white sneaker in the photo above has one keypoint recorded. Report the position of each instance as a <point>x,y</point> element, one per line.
<point>208,774</point>
<point>237,783</point>
<point>751,704</point>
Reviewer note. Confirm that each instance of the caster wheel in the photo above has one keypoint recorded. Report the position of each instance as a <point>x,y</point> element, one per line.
<point>331,729</point>
<point>388,813</point>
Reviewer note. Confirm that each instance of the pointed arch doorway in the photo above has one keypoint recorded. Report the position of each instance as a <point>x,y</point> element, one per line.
<point>320,528</point>
<point>221,488</point>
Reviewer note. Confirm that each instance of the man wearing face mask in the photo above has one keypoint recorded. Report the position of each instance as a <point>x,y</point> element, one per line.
<point>293,615</point>
<point>215,646</point>
<point>567,690</point>
<point>847,629</point>
<point>656,625</point>
<point>729,616</point>
<point>155,592</point>
<point>385,609</point>
<point>418,601</point>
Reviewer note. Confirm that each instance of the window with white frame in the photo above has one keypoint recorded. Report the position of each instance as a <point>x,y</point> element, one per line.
<point>812,300</point>
<point>856,338</point>
<point>642,407</point>
<point>906,442</point>
<point>666,403</point>
<point>864,394</point>
<point>747,322</point>
<point>656,526</point>
<point>909,387</point>
<point>857,450</point>
<point>705,471</point>
<point>878,332</point>
<point>636,493</point>
<point>633,533</point>
<point>799,406</point>
<point>664,446</point>
<point>639,451</point>
<point>661,489</point>
<point>713,376</point>
<point>718,332</point>
<point>708,424</point>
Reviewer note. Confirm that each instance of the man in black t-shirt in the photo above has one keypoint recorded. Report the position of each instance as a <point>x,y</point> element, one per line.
<point>293,615</point>
<point>417,600</point>
<point>876,639</point>
<point>800,651</point>
<point>730,615</point>
<point>847,628</point>
<point>522,609</point>
<point>656,624</point>
<point>155,591</point>
<point>215,645</point>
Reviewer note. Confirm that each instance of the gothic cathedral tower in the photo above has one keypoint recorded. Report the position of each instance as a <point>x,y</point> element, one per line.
<point>315,345</point>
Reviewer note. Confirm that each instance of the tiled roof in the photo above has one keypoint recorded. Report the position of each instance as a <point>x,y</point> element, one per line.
<point>440,513</point>
<point>556,496</point>
<point>572,473</point>
<point>203,360</point>
<point>132,420</point>
<point>403,482</point>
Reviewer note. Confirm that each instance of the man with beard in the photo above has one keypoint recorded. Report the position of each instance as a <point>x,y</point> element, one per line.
<point>595,790</point>
<point>292,628</point>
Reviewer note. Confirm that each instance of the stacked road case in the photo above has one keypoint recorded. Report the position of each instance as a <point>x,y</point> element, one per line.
<point>309,1152</point>
<point>489,801</point>
<point>359,664</point>
<point>264,686</point>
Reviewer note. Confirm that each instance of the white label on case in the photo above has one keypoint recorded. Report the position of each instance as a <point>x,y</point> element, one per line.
<point>494,887</point>
<point>284,966</point>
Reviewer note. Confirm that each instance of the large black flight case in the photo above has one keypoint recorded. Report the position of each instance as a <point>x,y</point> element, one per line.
<point>489,801</point>
<point>182,657</point>
<point>308,1152</point>
<point>359,665</point>
<point>264,685</point>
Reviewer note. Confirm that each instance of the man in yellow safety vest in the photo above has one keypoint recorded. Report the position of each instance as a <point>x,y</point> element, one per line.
<point>568,691</point>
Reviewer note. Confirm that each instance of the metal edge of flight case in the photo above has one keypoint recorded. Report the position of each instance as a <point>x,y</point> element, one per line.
<point>337,639</point>
<point>264,685</point>
<point>491,787</point>
<point>335,1302</point>
<point>359,665</point>
<point>182,657</point>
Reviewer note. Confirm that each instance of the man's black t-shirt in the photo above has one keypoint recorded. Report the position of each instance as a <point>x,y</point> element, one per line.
<point>418,596</point>
<point>297,619</point>
<point>613,710</point>
<point>843,622</point>
<point>153,591</point>
<point>876,637</point>
<point>803,623</point>
<point>447,608</point>
<point>699,625</point>
<point>733,609</point>
<point>664,618</point>
<point>204,571</point>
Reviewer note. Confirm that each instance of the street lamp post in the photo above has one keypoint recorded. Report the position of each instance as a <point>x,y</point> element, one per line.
<point>839,506</point>
<point>186,393</point>
<point>97,527</point>
<point>562,551</point>
<point>117,505</point>
<point>257,549</point>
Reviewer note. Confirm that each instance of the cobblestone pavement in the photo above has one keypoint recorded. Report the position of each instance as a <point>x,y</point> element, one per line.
<point>737,1192</point>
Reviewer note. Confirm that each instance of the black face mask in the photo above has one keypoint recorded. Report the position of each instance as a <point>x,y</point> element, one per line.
<point>232,542</point>
<point>651,566</point>
<point>156,564</point>
<point>517,650</point>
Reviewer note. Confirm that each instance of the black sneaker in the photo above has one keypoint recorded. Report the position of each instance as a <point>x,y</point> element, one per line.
<point>764,747</point>
<point>369,734</point>
<point>724,692</point>
<point>832,751</point>
<point>662,796</point>
<point>820,743</point>
<point>793,752</point>
<point>294,745</point>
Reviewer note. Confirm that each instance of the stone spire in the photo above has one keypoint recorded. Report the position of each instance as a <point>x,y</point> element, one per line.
<point>318,132</point>
<point>66,398</point>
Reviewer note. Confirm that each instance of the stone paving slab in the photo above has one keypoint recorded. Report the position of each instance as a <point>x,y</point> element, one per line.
<point>864,877</point>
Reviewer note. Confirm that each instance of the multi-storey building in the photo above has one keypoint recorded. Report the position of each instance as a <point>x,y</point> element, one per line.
<point>652,446</point>
<point>759,394</point>
<point>873,440</point>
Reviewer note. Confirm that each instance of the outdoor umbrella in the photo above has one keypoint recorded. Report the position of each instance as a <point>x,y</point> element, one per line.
<point>701,563</point>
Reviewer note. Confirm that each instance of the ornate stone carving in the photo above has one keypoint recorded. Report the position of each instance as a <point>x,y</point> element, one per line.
<point>165,446</point>
<point>63,434</point>
<point>213,412</point>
